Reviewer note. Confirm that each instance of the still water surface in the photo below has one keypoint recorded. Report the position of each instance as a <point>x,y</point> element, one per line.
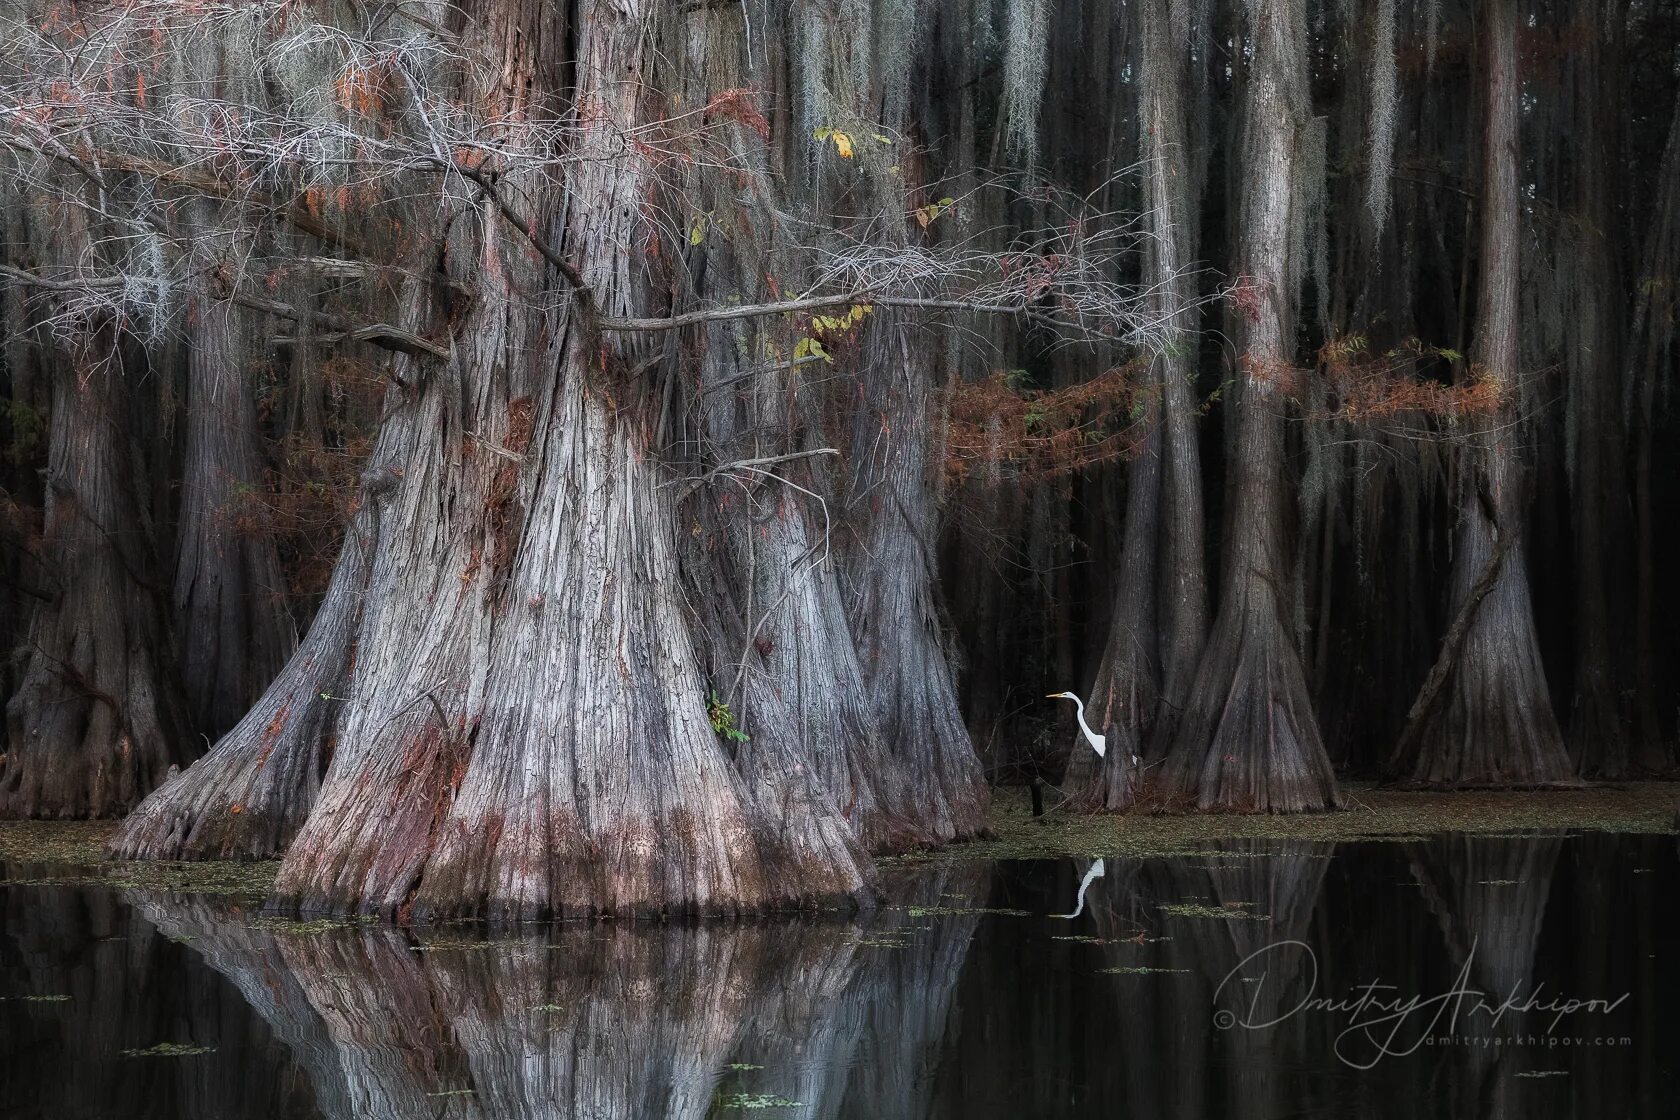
<point>1177,991</point>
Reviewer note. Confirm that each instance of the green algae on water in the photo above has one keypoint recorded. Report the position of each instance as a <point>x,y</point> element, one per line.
<point>1375,815</point>
<point>757,1101</point>
<point>169,1050</point>
<point>1199,910</point>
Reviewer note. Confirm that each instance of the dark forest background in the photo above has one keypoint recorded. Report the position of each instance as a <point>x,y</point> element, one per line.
<point>1292,379</point>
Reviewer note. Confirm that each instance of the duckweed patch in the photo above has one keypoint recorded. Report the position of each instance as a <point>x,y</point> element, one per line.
<point>757,1100</point>
<point>75,851</point>
<point>78,843</point>
<point>309,927</point>
<point>1375,815</point>
<point>1201,910</point>
<point>169,1050</point>
<point>883,942</point>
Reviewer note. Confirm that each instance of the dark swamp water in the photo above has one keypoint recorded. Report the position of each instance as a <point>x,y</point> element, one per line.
<point>965,999</point>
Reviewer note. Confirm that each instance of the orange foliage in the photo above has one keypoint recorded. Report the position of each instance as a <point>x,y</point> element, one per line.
<point>309,492</point>
<point>364,90</point>
<point>1045,433</point>
<point>1365,387</point>
<point>739,105</point>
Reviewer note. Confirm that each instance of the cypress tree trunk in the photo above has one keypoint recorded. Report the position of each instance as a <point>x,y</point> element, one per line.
<point>775,633</point>
<point>1650,342</point>
<point>96,721</point>
<point>525,732</point>
<point>893,599</point>
<point>1248,739</point>
<point>528,735</point>
<point>1491,723</point>
<point>1600,730</point>
<point>229,595</point>
<point>247,798</point>
<point>1127,689</point>
<point>896,443</point>
<point>1173,189</point>
<point>1160,615</point>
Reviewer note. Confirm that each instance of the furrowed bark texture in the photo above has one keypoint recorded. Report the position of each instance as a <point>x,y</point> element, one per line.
<point>527,734</point>
<point>248,797</point>
<point>774,632</point>
<point>1493,724</point>
<point>229,594</point>
<point>1160,617</point>
<point>893,604</point>
<point>96,721</point>
<point>1173,188</point>
<point>895,444</point>
<point>1128,686</point>
<point>1248,739</point>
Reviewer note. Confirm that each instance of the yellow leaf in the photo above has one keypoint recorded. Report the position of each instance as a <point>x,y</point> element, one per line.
<point>809,347</point>
<point>697,233</point>
<point>843,144</point>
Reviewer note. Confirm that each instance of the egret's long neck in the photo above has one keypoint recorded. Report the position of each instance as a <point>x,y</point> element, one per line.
<point>1079,708</point>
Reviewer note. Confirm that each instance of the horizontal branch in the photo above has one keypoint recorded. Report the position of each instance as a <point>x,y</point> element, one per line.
<point>34,280</point>
<point>808,303</point>
<point>194,178</point>
<point>382,335</point>
<point>755,466</point>
<point>377,334</point>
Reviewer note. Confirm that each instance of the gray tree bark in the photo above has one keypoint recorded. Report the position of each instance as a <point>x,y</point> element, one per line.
<point>229,594</point>
<point>1160,617</point>
<point>525,732</point>
<point>1493,724</point>
<point>1248,739</point>
<point>96,722</point>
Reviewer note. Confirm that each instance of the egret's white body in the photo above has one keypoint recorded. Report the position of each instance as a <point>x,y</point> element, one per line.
<point>1098,742</point>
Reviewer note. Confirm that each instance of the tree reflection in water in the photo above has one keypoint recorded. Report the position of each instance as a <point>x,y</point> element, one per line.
<point>605,1020</point>
<point>968,999</point>
<point>1116,1014</point>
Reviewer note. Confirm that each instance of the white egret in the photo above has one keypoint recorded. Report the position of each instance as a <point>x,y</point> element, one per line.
<point>1098,742</point>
